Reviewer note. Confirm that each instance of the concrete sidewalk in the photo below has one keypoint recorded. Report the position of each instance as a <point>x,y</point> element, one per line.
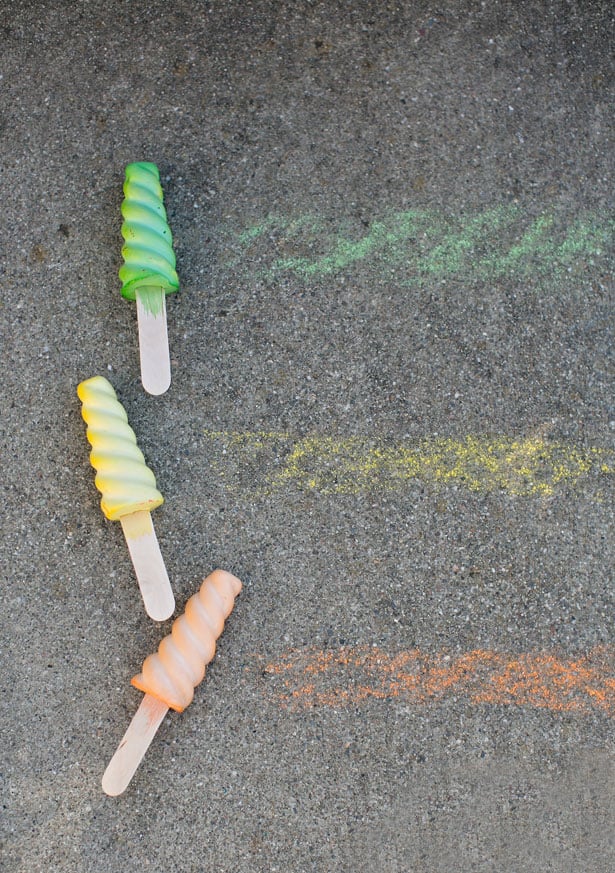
<point>391,415</point>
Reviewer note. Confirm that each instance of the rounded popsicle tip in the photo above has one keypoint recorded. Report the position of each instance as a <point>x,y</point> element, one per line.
<point>225,578</point>
<point>93,385</point>
<point>145,166</point>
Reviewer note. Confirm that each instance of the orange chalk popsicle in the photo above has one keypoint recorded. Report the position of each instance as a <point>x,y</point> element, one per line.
<point>170,675</point>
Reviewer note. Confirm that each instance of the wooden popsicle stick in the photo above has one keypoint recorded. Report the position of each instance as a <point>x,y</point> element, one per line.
<point>134,745</point>
<point>153,340</point>
<point>148,563</point>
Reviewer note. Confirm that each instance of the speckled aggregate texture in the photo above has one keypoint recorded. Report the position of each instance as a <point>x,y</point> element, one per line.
<point>391,417</point>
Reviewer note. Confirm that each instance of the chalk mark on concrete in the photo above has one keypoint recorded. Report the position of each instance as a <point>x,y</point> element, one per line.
<point>350,676</point>
<point>500,241</point>
<point>527,466</point>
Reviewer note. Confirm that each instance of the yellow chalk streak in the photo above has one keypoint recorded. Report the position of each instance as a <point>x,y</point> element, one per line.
<point>529,466</point>
<point>541,680</point>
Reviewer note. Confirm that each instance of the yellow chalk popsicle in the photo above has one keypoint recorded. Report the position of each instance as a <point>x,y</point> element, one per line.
<point>169,676</point>
<point>128,489</point>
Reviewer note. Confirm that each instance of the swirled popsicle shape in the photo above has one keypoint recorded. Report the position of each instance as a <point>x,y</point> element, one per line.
<point>172,673</point>
<point>149,259</point>
<point>123,478</point>
<point>169,676</point>
<point>128,489</point>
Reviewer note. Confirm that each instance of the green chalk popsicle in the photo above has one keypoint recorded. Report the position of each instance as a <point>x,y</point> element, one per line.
<point>148,273</point>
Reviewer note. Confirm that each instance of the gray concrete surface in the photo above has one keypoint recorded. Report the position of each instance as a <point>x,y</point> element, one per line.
<point>391,415</point>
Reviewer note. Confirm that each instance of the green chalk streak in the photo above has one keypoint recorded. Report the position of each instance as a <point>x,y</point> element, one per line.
<point>428,244</point>
<point>458,246</point>
<point>588,238</point>
<point>346,251</point>
<point>261,229</point>
<point>383,236</point>
<point>275,224</point>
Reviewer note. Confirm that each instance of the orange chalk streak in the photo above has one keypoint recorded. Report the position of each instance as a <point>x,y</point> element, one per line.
<point>350,676</point>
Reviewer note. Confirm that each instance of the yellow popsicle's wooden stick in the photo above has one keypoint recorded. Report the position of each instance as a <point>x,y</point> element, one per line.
<point>149,565</point>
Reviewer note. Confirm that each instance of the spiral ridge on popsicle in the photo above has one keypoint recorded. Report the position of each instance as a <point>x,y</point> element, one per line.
<point>149,259</point>
<point>122,476</point>
<point>172,673</point>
